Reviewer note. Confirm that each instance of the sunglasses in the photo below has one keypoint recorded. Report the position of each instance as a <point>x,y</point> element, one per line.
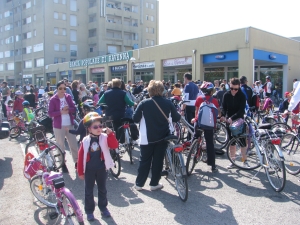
<point>97,127</point>
<point>234,89</point>
<point>62,88</point>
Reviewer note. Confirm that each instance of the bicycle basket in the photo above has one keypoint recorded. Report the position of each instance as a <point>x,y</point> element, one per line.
<point>237,127</point>
<point>30,169</point>
<point>58,182</point>
<point>38,133</point>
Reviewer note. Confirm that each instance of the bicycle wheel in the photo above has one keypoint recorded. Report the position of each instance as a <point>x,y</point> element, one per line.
<point>192,158</point>
<point>180,177</point>
<point>282,125</point>
<point>290,144</point>
<point>271,121</point>
<point>274,167</point>
<point>42,192</point>
<point>116,169</point>
<point>14,132</point>
<point>53,160</point>
<point>70,211</point>
<point>221,136</point>
<point>177,131</point>
<point>39,112</point>
<point>236,158</point>
<point>128,148</point>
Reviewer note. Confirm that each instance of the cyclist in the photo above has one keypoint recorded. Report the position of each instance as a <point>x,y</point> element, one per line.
<point>246,90</point>
<point>233,108</point>
<point>116,100</point>
<point>268,87</point>
<point>207,88</point>
<point>18,107</point>
<point>93,162</point>
<point>27,112</point>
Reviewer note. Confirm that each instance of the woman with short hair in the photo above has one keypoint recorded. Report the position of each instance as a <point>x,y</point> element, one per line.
<point>154,127</point>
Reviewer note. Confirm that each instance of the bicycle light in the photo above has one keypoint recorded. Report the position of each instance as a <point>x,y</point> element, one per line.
<point>178,148</point>
<point>276,141</point>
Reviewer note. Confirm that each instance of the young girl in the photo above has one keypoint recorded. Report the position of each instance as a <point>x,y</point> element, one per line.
<point>93,162</point>
<point>9,110</point>
<point>18,107</point>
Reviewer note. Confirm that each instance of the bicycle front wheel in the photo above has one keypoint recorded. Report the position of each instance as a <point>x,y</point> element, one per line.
<point>69,211</point>
<point>274,167</point>
<point>221,136</point>
<point>180,177</point>
<point>236,149</point>
<point>14,132</point>
<point>116,169</point>
<point>42,192</point>
<point>193,157</point>
<point>290,144</point>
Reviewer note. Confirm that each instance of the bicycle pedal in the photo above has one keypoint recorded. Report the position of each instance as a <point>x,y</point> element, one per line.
<point>53,215</point>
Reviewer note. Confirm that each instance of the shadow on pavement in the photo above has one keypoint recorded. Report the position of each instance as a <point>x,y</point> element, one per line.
<point>6,170</point>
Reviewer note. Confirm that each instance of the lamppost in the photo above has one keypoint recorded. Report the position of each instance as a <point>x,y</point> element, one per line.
<point>132,60</point>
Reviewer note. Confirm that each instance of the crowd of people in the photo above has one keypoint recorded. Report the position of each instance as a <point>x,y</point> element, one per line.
<point>92,158</point>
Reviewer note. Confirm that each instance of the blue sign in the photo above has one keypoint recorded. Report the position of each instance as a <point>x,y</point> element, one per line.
<point>121,68</point>
<point>270,56</point>
<point>224,56</point>
<point>220,57</point>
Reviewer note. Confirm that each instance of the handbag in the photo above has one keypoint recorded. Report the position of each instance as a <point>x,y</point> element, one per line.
<point>171,127</point>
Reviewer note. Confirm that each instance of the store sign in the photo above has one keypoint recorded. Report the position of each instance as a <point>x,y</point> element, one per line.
<point>98,70</point>
<point>102,59</point>
<point>119,68</point>
<point>177,62</point>
<point>145,65</point>
<point>27,76</point>
<point>220,57</point>
<point>272,57</point>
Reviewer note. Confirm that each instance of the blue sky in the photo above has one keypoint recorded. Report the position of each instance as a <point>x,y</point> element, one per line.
<point>181,20</point>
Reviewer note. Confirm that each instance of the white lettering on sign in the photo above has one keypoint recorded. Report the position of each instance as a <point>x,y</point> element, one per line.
<point>145,65</point>
<point>98,70</point>
<point>177,62</point>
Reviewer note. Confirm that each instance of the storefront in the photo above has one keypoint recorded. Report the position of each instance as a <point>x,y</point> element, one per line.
<point>80,75</point>
<point>27,79</point>
<point>63,75</point>
<point>97,75</point>
<point>39,80</point>
<point>174,69</point>
<point>144,71</point>
<point>119,72</point>
<point>51,77</point>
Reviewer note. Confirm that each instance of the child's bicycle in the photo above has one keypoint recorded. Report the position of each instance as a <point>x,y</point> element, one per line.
<point>21,126</point>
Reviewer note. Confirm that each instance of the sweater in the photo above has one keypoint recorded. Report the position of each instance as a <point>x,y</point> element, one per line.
<point>106,142</point>
<point>233,106</point>
<point>80,130</point>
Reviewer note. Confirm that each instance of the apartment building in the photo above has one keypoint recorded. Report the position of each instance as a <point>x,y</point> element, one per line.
<point>37,33</point>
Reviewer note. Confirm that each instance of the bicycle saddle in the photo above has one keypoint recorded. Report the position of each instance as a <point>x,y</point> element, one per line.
<point>265,126</point>
<point>171,137</point>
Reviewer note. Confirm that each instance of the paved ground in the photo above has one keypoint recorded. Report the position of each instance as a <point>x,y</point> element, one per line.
<point>223,198</point>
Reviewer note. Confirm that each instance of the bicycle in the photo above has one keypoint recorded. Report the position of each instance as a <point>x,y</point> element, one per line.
<point>65,202</point>
<point>268,153</point>
<point>21,126</point>
<point>175,166</point>
<point>127,145</point>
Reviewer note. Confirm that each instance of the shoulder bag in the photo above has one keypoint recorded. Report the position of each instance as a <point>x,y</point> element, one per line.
<point>171,127</point>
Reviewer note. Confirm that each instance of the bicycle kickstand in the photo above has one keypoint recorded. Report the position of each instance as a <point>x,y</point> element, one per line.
<point>256,174</point>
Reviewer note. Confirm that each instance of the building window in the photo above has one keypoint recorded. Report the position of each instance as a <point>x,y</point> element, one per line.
<point>147,17</point>
<point>34,33</point>
<point>73,5</point>
<point>73,35</point>
<point>10,66</point>
<point>55,60</point>
<point>1,55</point>
<point>7,54</point>
<point>1,67</point>
<point>112,49</point>
<point>56,30</point>
<point>92,33</point>
<point>28,64</point>
<point>63,16</point>
<point>73,20</point>
<point>152,43</point>
<point>147,29</point>
<point>39,62</point>
<point>8,27</point>
<point>27,20</point>
<point>63,48</point>
<point>55,15</point>
<point>9,40</point>
<point>63,60</point>
<point>73,50</point>
<point>63,2</point>
<point>92,3</point>
<point>34,17</point>
<point>147,42</point>
<point>8,13</point>
<point>152,30</point>
<point>27,5</point>
<point>152,6</point>
<point>28,35</point>
<point>64,32</point>
<point>147,5</point>
<point>152,18</point>
<point>38,47</point>
<point>28,49</point>
<point>93,48</point>
<point>55,1</point>
<point>56,47</point>
<point>18,38</point>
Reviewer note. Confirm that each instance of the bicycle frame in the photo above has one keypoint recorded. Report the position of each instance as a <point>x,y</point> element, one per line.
<point>170,155</point>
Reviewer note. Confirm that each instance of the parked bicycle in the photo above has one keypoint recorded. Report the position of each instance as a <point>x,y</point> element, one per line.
<point>127,145</point>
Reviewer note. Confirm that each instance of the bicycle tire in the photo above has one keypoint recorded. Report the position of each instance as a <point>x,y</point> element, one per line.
<point>71,216</point>
<point>282,125</point>
<point>55,153</point>
<point>192,157</point>
<point>129,151</point>
<point>275,166</point>
<point>116,170</point>
<point>290,144</point>
<point>177,131</point>
<point>180,177</point>
<point>47,197</point>
<point>253,161</point>
<point>217,136</point>
<point>16,132</point>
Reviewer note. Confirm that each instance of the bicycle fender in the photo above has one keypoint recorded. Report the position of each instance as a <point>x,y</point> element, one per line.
<point>74,203</point>
<point>182,164</point>
<point>278,149</point>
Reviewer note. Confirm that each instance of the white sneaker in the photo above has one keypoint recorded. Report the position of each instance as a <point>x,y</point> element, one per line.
<point>138,188</point>
<point>230,166</point>
<point>157,187</point>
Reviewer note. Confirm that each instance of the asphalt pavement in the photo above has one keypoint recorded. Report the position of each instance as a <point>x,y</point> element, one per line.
<point>226,197</point>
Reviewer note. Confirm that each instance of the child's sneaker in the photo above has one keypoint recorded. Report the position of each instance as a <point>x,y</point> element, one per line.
<point>106,213</point>
<point>90,217</point>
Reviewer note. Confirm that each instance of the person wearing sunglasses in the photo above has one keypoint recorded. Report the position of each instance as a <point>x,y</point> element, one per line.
<point>93,162</point>
<point>233,108</point>
<point>61,110</point>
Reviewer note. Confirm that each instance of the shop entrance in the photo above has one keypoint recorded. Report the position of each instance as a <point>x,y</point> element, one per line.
<point>39,81</point>
<point>121,76</point>
<point>145,76</point>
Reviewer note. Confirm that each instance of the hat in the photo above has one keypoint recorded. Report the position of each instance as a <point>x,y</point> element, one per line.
<point>18,93</point>
<point>286,93</point>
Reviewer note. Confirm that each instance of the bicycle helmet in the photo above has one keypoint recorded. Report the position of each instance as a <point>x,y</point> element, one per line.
<point>207,87</point>
<point>91,117</point>
<point>268,77</point>
<point>25,103</point>
<point>88,104</point>
<point>18,93</point>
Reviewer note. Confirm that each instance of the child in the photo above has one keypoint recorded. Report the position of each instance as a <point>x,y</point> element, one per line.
<point>9,110</point>
<point>18,107</point>
<point>268,105</point>
<point>93,162</point>
<point>176,91</point>
<point>27,112</point>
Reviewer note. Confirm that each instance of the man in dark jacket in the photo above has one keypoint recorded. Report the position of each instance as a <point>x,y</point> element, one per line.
<point>246,90</point>
<point>139,88</point>
<point>30,97</point>
<point>116,101</point>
